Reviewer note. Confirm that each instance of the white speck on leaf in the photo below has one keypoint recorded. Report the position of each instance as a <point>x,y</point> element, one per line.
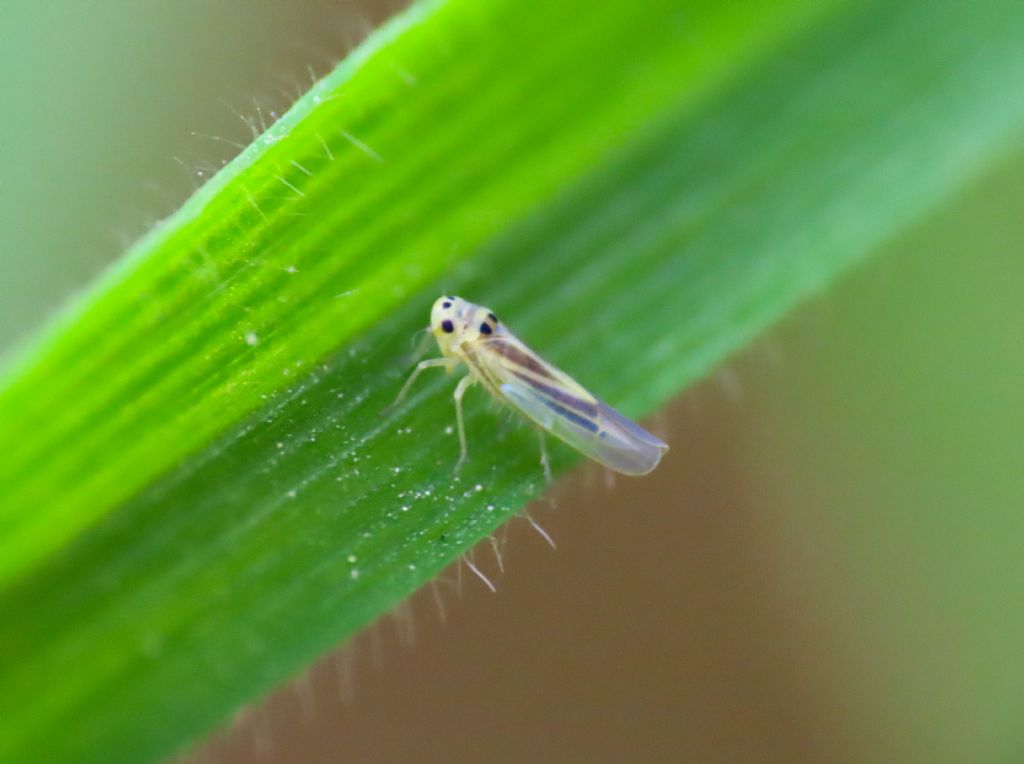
<point>252,339</point>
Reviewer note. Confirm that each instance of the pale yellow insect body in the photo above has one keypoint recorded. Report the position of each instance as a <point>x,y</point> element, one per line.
<point>471,334</point>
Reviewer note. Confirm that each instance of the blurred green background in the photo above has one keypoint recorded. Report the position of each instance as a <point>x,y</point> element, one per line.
<point>834,569</point>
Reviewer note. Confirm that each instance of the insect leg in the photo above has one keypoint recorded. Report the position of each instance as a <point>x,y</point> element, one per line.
<point>460,390</point>
<point>428,364</point>
<point>545,462</point>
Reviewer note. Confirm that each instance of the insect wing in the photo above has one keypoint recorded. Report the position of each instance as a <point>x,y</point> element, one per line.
<point>556,402</point>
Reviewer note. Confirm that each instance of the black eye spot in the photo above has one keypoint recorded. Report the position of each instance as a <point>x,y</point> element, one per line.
<point>446,304</point>
<point>485,328</point>
<point>493,317</point>
<point>448,326</point>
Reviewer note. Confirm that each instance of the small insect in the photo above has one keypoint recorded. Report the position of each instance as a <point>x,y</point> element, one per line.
<point>550,398</point>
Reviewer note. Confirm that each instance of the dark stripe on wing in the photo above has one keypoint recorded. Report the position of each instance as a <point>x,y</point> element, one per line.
<point>516,355</point>
<point>567,399</point>
<point>572,416</point>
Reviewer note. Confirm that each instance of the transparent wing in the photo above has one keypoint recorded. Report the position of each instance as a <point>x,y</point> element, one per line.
<point>561,406</point>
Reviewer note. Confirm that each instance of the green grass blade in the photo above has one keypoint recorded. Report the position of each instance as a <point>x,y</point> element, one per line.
<point>201,495</point>
<point>395,167</point>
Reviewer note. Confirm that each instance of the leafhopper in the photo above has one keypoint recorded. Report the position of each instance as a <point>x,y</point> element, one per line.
<point>516,376</point>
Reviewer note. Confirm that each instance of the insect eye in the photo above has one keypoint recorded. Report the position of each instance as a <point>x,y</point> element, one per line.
<point>448,326</point>
<point>446,305</point>
<point>485,328</point>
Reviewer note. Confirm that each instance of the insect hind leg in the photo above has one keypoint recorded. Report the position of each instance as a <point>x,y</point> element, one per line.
<point>545,461</point>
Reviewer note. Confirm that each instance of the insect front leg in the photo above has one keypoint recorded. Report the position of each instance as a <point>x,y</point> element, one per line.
<point>430,363</point>
<point>460,390</point>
